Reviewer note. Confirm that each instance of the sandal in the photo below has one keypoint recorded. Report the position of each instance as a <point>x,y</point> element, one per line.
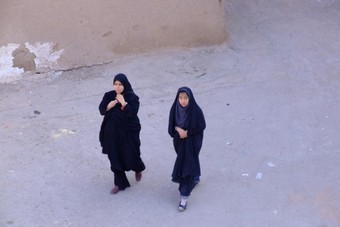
<point>138,176</point>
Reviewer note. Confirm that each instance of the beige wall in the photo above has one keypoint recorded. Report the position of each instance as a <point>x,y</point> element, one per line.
<point>63,34</point>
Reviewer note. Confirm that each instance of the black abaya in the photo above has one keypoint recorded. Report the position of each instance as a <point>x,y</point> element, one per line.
<point>187,161</point>
<point>120,129</point>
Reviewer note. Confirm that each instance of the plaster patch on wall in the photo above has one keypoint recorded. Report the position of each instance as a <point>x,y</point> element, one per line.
<point>7,71</point>
<point>46,54</point>
<point>46,57</point>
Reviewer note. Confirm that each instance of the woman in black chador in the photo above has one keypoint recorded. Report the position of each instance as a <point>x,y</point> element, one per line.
<point>119,133</point>
<point>186,126</point>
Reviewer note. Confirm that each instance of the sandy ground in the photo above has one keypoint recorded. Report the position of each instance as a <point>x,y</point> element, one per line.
<point>271,152</point>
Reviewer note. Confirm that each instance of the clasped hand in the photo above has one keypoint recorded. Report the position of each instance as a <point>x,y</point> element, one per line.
<point>182,133</point>
<point>111,104</point>
<point>119,98</point>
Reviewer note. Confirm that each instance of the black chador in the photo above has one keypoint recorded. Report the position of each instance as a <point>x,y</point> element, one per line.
<point>190,118</point>
<point>119,133</point>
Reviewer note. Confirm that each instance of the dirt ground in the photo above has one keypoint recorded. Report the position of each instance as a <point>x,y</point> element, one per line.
<point>271,150</point>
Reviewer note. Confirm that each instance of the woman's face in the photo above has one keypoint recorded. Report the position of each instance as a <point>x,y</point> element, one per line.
<point>183,99</point>
<point>118,87</point>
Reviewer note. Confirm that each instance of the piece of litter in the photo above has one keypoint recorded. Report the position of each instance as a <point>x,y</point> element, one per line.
<point>245,174</point>
<point>270,164</point>
<point>258,175</point>
<point>63,131</point>
<point>229,143</point>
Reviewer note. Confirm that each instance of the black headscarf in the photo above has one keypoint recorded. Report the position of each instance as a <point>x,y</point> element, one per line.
<point>181,115</point>
<point>124,80</point>
<point>191,117</point>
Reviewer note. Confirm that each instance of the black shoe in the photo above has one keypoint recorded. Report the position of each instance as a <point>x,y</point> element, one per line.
<point>182,207</point>
<point>197,180</point>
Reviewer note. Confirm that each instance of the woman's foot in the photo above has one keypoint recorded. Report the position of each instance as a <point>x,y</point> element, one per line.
<point>182,205</point>
<point>138,176</point>
<point>114,190</point>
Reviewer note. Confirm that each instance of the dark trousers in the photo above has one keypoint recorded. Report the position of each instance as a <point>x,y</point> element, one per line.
<point>186,185</point>
<point>120,179</point>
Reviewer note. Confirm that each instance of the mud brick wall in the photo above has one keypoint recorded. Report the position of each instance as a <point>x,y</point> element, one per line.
<point>60,34</point>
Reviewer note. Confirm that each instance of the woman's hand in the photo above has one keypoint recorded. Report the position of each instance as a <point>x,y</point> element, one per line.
<point>182,133</point>
<point>111,105</point>
<point>120,98</point>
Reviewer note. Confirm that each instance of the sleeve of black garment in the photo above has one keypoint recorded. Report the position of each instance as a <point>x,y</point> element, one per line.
<point>131,109</point>
<point>171,127</point>
<point>103,104</point>
<point>199,125</point>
